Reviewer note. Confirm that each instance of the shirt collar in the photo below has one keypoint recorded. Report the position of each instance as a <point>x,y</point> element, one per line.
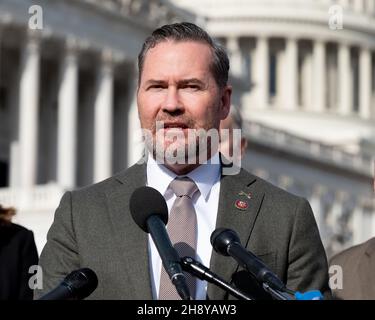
<point>205,176</point>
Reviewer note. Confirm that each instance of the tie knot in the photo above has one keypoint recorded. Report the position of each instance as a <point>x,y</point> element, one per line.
<point>184,187</point>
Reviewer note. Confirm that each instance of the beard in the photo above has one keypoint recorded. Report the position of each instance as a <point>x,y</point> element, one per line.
<point>185,146</point>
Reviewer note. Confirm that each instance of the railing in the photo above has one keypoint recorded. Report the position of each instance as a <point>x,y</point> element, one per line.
<point>41,197</point>
<point>364,7</point>
<point>315,150</point>
<point>157,11</point>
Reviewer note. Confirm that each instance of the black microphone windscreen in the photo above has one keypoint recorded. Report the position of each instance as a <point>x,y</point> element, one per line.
<point>146,202</point>
<point>221,238</point>
<point>81,282</point>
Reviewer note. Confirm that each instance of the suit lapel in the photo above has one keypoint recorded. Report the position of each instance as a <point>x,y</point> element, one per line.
<point>131,241</point>
<point>239,204</point>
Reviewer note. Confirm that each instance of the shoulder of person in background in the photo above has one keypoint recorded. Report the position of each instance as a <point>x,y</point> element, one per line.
<point>18,249</point>
<point>357,264</point>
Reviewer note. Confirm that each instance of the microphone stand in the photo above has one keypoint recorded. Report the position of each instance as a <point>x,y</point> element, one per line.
<point>200,271</point>
<point>276,294</point>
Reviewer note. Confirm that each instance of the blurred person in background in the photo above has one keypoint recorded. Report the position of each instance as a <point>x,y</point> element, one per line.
<point>233,121</point>
<point>358,270</point>
<point>18,253</point>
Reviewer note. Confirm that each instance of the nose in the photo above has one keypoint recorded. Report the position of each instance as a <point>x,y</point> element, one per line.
<point>172,103</point>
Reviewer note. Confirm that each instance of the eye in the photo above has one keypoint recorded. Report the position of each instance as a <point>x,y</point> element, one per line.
<point>156,87</point>
<point>192,87</point>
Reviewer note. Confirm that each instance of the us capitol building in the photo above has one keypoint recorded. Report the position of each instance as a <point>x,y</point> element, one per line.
<point>303,73</point>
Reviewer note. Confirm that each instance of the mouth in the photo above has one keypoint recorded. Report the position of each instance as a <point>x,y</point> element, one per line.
<point>175,125</point>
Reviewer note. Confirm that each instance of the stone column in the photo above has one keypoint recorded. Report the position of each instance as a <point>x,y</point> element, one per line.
<point>28,110</point>
<point>234,50</point>
<point>344,79</point>
<point>370,7</point>
<point>261,76</point>
<point>365,68</point>
<point>103,119</point>
<point>344,3</point>
<point>357,224</point>
<point>67,117</point>
<point>291,74</point>
<point>359,5</point>
<point>315,202</point>
<point>320,83</point>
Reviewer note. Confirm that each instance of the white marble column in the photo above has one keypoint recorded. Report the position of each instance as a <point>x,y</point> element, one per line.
<point>291,74</point>
<point>365,68</point>
<point>261,76</point>
<point>306,79</point>
<point>370,7</point>
<point>103,119</point>
<point>320,83</point>
<point>359,5</point>
<point>357,224</point>
<point>67,117</point>
<point>234,51</point>
<point>344,3</point>
<point>28,110</point>
<point>344,79</point>
<point>315,202</point>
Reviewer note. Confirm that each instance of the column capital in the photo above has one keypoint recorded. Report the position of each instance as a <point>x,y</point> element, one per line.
<point>233,43</point>
<point>107,56</point>
<point>320,41</point>
<point>264,37</point>
<point>5,19</point>
<point>292,38</point>
<point>72,45</point>
<point>34,36</point>
<point>344,43</point>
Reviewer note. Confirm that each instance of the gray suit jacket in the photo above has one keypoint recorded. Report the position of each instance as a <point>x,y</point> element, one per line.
<point>358,271</point>
<point>93,228</point>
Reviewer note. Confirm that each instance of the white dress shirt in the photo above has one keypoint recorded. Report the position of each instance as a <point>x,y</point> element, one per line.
<point>206,202</point>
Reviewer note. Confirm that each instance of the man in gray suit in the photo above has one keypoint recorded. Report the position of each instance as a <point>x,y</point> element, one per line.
<point>183,78</point>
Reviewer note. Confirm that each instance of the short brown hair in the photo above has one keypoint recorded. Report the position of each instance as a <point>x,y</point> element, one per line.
<point>6,214</point>
<point>186,31</point>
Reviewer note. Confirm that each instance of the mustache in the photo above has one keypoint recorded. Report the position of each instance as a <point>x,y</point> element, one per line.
<point>188,122</point>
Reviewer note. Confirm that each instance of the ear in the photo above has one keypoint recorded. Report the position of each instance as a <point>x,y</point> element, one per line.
<point>225,103</point>
<point>243,146</point>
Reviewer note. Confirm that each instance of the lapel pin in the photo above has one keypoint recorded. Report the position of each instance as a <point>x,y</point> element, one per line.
<point>241,205</point>
<point>247,195</point>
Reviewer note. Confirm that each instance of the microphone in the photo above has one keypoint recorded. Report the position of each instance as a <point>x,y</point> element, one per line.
<point>226,242</point>
<point>150,212</point>
<point>200,271</point>
<point>77,285</point>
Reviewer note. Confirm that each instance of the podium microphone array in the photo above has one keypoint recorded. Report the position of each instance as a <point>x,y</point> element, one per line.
<point>152,216</point>
<point>77,285</point>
